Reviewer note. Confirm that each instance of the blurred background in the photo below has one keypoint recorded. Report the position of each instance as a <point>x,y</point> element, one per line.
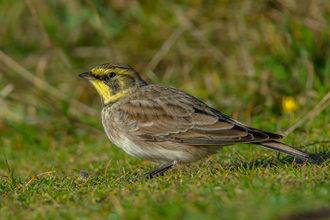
<point>265,63</point>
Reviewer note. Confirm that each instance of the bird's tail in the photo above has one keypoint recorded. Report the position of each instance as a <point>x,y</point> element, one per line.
<point>274,145</point>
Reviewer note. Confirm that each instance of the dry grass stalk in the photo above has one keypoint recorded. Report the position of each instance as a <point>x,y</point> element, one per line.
<point>45,86</point>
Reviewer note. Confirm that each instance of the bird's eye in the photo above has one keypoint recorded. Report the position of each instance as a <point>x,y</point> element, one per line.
<point>112,74</point>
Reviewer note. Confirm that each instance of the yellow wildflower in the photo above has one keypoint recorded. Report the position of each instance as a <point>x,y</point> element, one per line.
<point>289,104</point>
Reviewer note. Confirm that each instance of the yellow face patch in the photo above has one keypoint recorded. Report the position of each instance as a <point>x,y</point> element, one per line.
<point>105,93</point>
<point>102,89</point>
<point>102,71</point>
<point>98,71</point>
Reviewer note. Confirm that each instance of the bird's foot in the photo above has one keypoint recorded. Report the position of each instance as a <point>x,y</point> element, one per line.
<point>154,173</point>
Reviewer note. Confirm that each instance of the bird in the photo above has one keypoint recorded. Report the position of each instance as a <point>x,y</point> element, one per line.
<point>166,125</point>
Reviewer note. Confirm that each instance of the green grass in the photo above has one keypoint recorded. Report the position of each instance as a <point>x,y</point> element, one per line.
<point>240,57</point>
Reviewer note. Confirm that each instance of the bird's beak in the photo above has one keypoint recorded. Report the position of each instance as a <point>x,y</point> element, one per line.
<point>87,75</point>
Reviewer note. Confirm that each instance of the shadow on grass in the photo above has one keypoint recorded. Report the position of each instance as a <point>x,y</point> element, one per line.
<point>320,157</point>
<point>316,214</point>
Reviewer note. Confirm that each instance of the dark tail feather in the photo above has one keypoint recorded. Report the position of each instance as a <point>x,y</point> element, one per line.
<point>274,145</point>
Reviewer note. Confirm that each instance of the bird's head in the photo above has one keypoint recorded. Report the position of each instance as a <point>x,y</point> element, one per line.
<point>113,81</point>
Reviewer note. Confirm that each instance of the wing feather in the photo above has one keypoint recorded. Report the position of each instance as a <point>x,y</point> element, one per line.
<point>181,118</point>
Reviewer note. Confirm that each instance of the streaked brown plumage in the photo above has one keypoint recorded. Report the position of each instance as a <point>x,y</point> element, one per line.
<point>164,124</point>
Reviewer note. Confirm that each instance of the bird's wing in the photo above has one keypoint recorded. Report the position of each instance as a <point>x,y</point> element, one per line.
<point>181,118</point>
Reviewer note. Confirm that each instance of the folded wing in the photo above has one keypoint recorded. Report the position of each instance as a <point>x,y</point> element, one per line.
<point>183,119</point>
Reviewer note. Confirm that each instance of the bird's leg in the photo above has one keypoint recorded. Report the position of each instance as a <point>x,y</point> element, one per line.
<point>159,171</point>
<point>154,173</point>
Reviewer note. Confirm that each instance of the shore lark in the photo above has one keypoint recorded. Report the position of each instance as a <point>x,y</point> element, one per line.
<point>166,125</point>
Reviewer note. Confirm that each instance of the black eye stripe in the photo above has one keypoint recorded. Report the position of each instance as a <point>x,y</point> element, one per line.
<point>96,76</point>
<point>105,77</point>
